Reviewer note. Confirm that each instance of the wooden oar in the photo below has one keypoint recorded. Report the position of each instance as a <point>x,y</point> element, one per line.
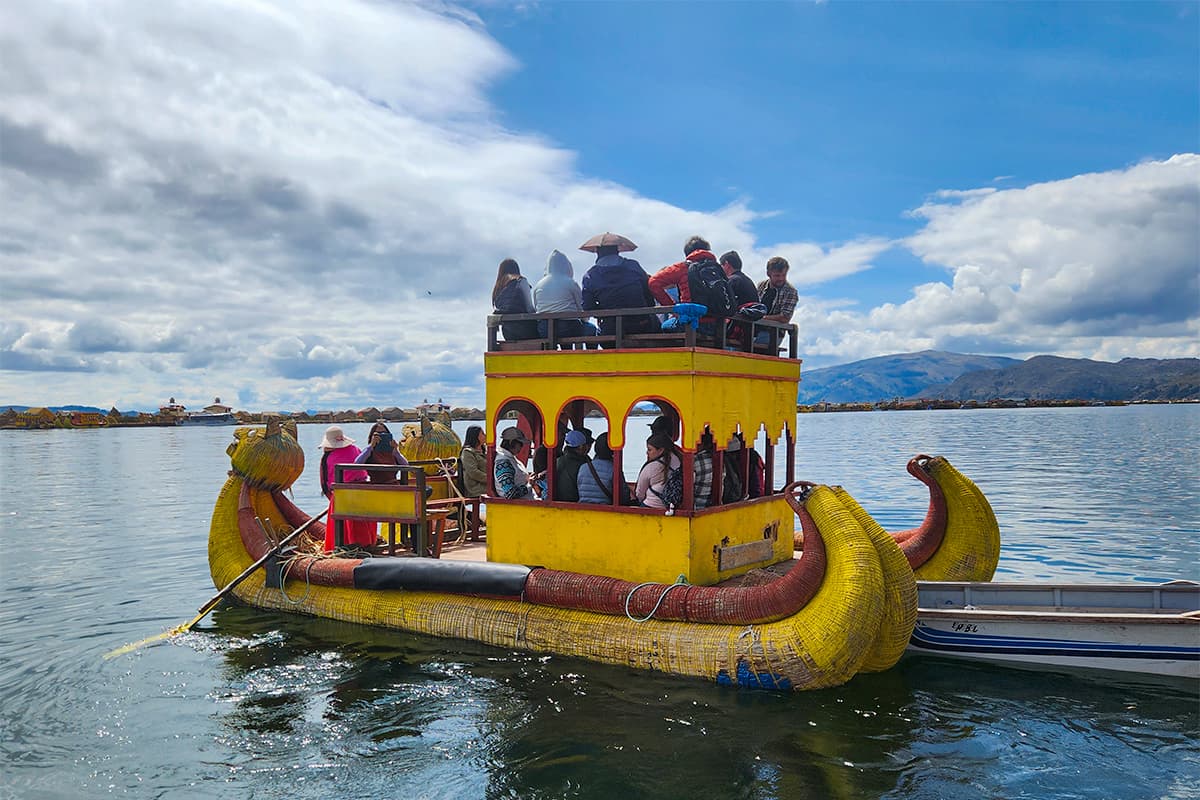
<point>212,603</point>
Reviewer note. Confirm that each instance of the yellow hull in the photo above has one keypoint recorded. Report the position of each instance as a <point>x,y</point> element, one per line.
<point>824,643</point>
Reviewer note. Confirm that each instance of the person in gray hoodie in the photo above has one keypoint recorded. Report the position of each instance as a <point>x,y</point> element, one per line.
<point>558,291</point>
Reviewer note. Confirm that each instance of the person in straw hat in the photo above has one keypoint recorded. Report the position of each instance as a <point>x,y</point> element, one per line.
<point>617,282</point>
<point>338,448</point>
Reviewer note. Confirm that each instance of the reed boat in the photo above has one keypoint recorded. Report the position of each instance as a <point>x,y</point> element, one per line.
<point>729,593</point>
<point>1151,629</point>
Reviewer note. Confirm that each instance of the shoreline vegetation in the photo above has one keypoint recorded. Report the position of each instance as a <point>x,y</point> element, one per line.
<point>52,418</point>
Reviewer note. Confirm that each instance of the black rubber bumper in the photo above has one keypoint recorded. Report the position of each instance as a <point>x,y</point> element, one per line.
<point>435,575</point>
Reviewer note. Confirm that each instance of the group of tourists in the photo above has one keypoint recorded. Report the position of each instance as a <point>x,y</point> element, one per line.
<point>617,282</point>
<point>581,477</point>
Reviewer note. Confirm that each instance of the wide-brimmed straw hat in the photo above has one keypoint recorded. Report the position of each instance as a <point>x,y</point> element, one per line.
<point>607,239</point>
<point>334,438</point>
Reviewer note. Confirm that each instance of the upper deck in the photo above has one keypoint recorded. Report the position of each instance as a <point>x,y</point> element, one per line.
<point>723,394</point>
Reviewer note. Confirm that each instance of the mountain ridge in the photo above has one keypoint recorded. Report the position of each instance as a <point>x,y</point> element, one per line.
<point>942,375</point>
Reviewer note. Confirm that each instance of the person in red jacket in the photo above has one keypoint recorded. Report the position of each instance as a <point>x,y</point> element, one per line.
<point>695,250</point>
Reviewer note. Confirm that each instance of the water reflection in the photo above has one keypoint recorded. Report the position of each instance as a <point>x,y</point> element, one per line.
<point>109,545</point>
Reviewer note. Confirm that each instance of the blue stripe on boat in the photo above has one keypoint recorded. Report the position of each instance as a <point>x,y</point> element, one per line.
<point>934,639</point>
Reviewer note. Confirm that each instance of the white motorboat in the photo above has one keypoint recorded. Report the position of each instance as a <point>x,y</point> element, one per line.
<point>1141,628</point>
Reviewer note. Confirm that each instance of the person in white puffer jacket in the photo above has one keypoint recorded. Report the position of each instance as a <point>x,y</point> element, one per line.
<point>557,291</point>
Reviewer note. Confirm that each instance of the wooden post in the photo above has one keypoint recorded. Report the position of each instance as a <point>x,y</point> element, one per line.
<point>769,479</point>
<point>689,481</point>
<point>718,488</point>
<point>791,456</point>
<point>617,479</point>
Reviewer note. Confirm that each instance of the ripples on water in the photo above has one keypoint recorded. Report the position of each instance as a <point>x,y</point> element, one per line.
<point>105,542</point>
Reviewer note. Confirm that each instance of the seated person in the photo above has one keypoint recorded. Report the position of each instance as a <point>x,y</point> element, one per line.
<point>566,466</point>
<point>662,456</point>
<point>557,291</point>
<point>595,478</point>
<point>512,295</point>
<point>618,282</point>
<point>472,463</point>
<point>702,471</point>
<point>511,480</point>
<point>696,251</point>
<point>382,449</point>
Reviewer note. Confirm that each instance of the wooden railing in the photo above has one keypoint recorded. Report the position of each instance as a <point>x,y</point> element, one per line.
<point>684,336</point>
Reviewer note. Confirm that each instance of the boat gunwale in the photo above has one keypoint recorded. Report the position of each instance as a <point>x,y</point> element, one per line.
<point>1052,614</point>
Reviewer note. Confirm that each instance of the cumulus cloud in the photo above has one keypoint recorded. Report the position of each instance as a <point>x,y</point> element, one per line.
<point>303,204</point>
<point>1102,265</point>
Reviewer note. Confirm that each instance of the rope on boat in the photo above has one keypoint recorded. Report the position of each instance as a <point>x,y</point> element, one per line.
<point>680,581</point>
<point>291,562</point>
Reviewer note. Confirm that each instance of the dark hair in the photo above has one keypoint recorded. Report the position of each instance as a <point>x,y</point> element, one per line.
<point>473,434</point>
<point>660,441</point>
<point>695,243</point>
<point>509,270</point>
<point>378,427</point>
<point>777,264</point>
<point>606,250</point>
<point>603,451</point>
<point>732,259</point>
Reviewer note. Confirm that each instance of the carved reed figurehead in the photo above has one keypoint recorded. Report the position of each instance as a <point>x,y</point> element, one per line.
<point>269,458</point>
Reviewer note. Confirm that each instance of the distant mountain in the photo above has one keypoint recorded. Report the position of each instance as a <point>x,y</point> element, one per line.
<point>889,377</point>
<point>1054,378</point>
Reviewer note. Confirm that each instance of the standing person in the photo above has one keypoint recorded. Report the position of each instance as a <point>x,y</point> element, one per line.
<point>567,465</point>
<point>511,480</point>
<point>512,295</point>
<point>382,448</point>
<point>661,458</point>
<point>617,282</point>
<point>557,291</point>
<point>472,463</point>
<point>340,449</point>
<point>595,478</point>
<point>696,279</point>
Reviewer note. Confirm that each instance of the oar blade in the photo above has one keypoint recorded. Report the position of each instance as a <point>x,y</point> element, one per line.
<point>158,637</point>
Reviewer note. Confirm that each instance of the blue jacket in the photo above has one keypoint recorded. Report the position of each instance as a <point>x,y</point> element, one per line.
<point>590,492</point>
<point>617,282</point>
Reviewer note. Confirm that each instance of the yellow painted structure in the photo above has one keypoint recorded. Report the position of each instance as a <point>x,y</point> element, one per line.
<point>725,391</point>
<point>638,545</point>
<point>717,388</point>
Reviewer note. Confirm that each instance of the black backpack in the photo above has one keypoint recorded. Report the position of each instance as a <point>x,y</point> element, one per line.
<point>708,286</point>
<point>672,491</point>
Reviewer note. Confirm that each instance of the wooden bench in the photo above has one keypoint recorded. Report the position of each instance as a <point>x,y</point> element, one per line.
<point>524,344</point>
<point>656,339</point>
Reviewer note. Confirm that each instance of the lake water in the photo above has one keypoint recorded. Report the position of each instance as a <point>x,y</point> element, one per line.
<point>104,542</point>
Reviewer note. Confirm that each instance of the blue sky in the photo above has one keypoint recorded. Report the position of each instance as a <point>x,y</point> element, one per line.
<point>302,204</point>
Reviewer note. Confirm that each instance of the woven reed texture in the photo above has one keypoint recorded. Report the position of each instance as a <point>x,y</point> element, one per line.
<point>970,550</point>
<point>824,644</point>
<point>899,591</point>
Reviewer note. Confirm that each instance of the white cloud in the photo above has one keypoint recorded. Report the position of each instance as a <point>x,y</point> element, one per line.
<point>1103,265</point>
<point>304,204</point>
